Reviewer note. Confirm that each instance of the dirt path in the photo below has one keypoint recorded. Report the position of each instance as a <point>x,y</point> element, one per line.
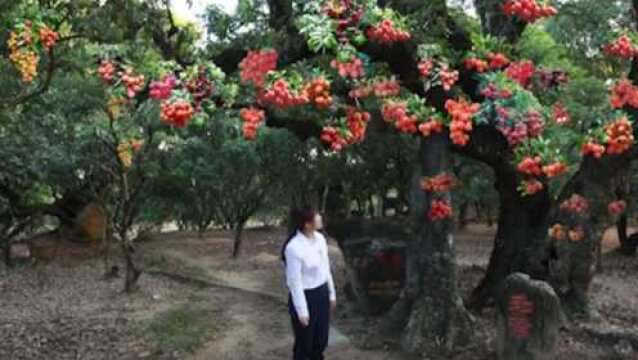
<point>258,326</point>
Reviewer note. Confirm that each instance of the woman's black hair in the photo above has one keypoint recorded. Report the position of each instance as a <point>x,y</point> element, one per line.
<point>299,218</point>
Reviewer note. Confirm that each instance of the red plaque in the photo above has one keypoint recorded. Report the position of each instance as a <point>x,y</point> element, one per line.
<point>519,312</point>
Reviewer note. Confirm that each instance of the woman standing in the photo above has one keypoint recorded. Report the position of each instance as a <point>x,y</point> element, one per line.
<point>309,280</point>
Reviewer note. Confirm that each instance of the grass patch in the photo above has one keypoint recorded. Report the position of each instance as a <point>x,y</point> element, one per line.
<point>182,329</point>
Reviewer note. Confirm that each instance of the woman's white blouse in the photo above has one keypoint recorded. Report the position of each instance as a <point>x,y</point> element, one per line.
<point>307,267</point>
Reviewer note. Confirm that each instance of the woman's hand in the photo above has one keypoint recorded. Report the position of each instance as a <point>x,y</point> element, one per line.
<point>304,320</point>
<point>333,306</point>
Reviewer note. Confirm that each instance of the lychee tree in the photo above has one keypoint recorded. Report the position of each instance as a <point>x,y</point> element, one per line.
<point>335,69</point>
<point>364,63</point>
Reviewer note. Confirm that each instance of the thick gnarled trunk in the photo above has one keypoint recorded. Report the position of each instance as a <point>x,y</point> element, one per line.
<point>430,311</point>
<point>519,242</point>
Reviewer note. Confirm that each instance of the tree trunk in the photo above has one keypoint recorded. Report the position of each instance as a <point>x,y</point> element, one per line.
<point>628,244</point>
<point>239,229</point>
<point>463,215</point>
<point>110,271</point>
<point>572,271</point>
<point>430,310</point>
<point>7,255</point>
<point>132,272</point>
<point>519,243</point>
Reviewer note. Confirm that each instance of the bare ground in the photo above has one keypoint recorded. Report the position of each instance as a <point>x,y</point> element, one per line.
<point>64,310</point>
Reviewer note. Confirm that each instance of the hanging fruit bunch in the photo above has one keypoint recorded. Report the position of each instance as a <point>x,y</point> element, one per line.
<point>434,69</point>
<point>252,118</point>
<point>576,204</point>
<point>200,85</point>
<point>25,41</point>
<point>107,70</point>
<point>256,65</point>
<point>592,148</point>
<point>443,182</point>
<point>476,64</point>
<point>122,79</point>
<point>357,122</point>
<point>184,96</point>
<point>624,93</point>
<point>133,82</point>
<point>616,207</point>
<point>432,126</point>
<point>122,82</point>
<point>409,115</point>
<point>440,210</point>
<point>335,137</point>
<point>528,10</point>
<point>127,150</point>
<point>531,187</point>
<point>348,67</point>
<point>380,87</point>
<point>282,95</point>
<point>177,112</point>
<point>387,32</point>
<point>560,114</point>
<point>521,72</point>
<point>619,136</point>
<point>348,130</point>
<point>514,111</point>
<point>318,93</point>
<point>161,89</point>
<point>614,138</point>
<point>557,232</point>
<point>461,112</point>
<point>622,47</point>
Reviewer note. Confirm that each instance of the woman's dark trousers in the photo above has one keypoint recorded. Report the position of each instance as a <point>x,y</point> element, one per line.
<point>311,341</point>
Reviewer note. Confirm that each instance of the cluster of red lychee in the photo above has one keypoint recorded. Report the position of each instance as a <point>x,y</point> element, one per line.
<point>385,32</point>
<point>318,93</point>
<point>521,72</point>
<point>352,69</point>
<point>576,204</point>
<point>443,182</point>
<point>357,121</point>
<point>430,127</point>
<point>528,10</point>
<point>622,47</point>
<point>440,210</point>
<point>161,89</point>
<point>461,111</point>
<point>617,207</point>
<point>560,114</point>
<point>383,88</point>
<point>280,95</point>
<point>252,118</point>
<point>624,93</point>
<point>177,113</point>
<point>255,66</point>
<point>620,136</point>
<point>334,137</point>
<point>397,113</point>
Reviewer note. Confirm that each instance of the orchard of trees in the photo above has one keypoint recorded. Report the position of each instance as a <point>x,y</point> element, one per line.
<point>524,110</point>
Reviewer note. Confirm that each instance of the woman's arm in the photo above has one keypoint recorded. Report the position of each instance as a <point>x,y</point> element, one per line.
<point>293,280</point>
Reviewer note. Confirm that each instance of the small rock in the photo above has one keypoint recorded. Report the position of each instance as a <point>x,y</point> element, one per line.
<point>624,349</point>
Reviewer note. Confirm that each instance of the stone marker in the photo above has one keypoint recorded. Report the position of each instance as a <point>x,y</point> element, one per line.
<point>374,253</point>
<point>529,317</point>
<point>91,222</point>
